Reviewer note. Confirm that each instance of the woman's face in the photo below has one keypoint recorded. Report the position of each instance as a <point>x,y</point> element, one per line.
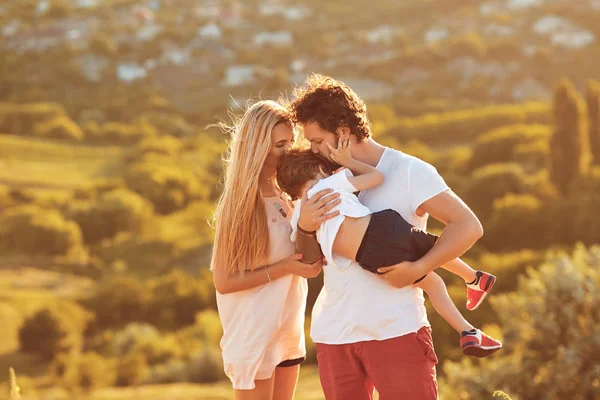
<point>282,139</point>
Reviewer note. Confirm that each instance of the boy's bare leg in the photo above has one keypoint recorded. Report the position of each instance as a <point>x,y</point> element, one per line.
<point>435,288</point>
<point>462,269</point>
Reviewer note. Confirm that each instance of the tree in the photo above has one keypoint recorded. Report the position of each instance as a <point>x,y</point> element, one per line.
<point>168,187</point>
<point>115,211</point>
<point>60,128</point>
<point>493,182</point>
<point>33,230</point>
<point>119,302</point>
<point>593,106</point>
<point>551,327</point>
<point>60,9</point>
<point>103,44</point>
<point>53,330</point>
<point>567,145</point>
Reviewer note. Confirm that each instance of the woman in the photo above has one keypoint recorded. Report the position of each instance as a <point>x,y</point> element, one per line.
<point>260,280</point>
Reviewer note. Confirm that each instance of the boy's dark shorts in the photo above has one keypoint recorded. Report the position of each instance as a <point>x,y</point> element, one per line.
<point>385,242</point>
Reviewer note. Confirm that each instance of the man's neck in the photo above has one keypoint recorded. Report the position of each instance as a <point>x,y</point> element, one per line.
<point>368,151</point>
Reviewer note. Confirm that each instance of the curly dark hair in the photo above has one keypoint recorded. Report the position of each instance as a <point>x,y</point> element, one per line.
<point>331,104</point>
<point>298,166</point>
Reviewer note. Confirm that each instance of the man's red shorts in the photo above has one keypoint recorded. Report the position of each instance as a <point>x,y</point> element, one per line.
<point>399,368</point>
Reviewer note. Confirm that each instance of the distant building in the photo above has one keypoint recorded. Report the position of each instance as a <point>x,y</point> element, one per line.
<point>148,32</point>
<point>435,34</point>
<point>129,72</point>
<point>92,66</point>
<point>238,75</point>
<point>563,32</point>
<point>383,35</point>
<point>87,3</point>
<point>291,13</point>
<point>523,4</point>
<point>42,7</point>
<point>531,89</point>
<point>210,32</point>
<point>276,39</point>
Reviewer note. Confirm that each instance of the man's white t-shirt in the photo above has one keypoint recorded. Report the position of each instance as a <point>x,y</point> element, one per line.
<point>356,305</point>
<point>349,206</point>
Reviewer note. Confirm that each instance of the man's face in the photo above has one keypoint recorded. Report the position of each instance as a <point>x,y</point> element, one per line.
<point>318,138</point>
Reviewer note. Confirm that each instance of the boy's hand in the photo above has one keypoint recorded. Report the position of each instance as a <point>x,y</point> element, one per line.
<point>341,155</point>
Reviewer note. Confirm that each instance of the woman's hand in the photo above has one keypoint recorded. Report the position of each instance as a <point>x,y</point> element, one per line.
<point>313,211</point>
<point>293,265</point>
<point>403,274</point>
<point>341,155</point>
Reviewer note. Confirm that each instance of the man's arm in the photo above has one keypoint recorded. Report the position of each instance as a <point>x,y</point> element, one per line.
<point>462,230</point>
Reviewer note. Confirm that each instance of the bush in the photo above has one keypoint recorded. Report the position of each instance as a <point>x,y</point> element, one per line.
<point>120,133</point>
<point>167,124</point>
<point>503,144</point>
<point>207,331</point>
<point>144,257</point>
<point>59,128</point>
<point>164,145</point>
<point>169,188</point>
<point>54,330</point>
<point>32,230</point>
<point>122,342</point>
<point>20,119</point>
<point>103,44</point>
<point>113,212</point>
<point>466,45</point>
<point>118,302</point>
<point>88,371</point>
<point>60,9</point>
<point>207,366</point>
<point>508,266</point>
<point>158,350</point>
<point>551,337</point>
<point>131,370</point>
<point>517,222</point>
<point>178,298</point>
<point>5,198</point>
<point>462,126</point>
<point>170,372</point>
<point>492,182</point>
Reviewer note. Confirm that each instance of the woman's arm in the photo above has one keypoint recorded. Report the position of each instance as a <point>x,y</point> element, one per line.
<point>225,283</point>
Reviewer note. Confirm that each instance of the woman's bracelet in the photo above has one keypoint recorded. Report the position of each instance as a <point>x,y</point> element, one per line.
<point>267,271</point>
<point>307,233</point>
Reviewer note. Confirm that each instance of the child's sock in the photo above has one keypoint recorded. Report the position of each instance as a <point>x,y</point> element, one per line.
<point>476,280</point>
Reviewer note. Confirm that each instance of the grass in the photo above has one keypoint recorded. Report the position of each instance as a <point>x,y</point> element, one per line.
<point>42,163</point>
<point>309,388</point>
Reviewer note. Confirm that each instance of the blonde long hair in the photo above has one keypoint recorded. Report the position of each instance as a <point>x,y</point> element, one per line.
<point>240,220</point>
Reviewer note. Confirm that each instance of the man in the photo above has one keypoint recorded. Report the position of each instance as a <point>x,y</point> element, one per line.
<point>372,332</point>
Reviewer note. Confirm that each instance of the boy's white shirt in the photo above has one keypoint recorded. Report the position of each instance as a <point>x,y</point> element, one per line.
<point>356,305</point>
<point>348,207</point>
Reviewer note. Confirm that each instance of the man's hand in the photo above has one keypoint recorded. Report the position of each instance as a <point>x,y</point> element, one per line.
<point>313,211</point>
<point>402,274</point>
<point>341,155</point>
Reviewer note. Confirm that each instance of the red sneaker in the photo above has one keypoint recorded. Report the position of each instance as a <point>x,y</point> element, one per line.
<point>478,290</point>
<point>477,344</point>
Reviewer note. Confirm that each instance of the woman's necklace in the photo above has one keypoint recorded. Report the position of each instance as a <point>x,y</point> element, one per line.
<point>279,208</point>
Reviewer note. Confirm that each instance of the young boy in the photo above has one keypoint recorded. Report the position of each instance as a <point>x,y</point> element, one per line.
<point>376,240</point>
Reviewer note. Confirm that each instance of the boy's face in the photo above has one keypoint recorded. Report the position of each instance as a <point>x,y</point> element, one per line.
<point>318,138</point>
